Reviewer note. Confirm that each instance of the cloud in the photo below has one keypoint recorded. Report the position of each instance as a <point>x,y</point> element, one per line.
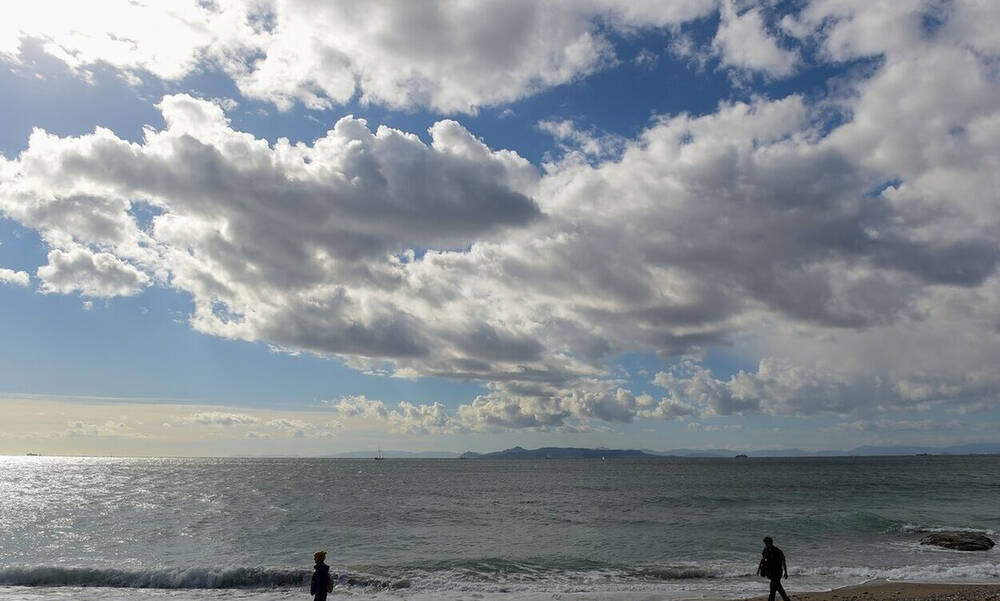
<point>159,427</point>
<point>298,428</point>
<point>109,429</point>
<point>742,41</point>
<point>446,55</point>
<point>777,387</point>
<point>893,425</point>
<point>499,412</point>
<point>405,418</point>
<point>588,144</point>
<point>549,406</point>
<point>847,246</point>
<point>97,274</point>
<point>221,419</point>
<point>244,224</point>
<point>700,427</point>
<point>511,406</point>
<point>284,423</point>
<point>17,278</point>
<point>166,40</point>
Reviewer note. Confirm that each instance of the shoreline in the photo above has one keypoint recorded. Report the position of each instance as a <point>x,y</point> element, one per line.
<point>875,590</point>
<point>901,590</point>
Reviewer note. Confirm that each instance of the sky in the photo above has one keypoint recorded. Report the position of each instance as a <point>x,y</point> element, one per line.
<point>251,227</point>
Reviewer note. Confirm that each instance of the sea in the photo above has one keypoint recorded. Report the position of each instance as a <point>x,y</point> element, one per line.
<point>409,529</point>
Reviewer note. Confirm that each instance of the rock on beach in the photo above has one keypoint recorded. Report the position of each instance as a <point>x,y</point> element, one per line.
<point>956,539</point>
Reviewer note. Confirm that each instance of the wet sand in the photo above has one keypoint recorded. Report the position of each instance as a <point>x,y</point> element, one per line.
<point>899,591</point>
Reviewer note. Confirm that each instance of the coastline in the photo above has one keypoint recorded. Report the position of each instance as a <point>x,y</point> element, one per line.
<point>876,590</point>
<point>883,590</point>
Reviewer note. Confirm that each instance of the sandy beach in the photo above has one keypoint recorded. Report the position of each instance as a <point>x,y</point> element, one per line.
<point>900,591</point>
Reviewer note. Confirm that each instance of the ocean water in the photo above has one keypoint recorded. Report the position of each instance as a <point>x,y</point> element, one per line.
<point>636,529</point>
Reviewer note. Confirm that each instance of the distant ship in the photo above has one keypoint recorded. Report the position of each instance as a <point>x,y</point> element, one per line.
<point>34,454</point>
<point>741,456</point>
<point>378,455</point>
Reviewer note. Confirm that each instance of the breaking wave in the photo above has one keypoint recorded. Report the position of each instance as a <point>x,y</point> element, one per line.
<point>179,578</point>
<point>484,574</point>
<point>934,572</point>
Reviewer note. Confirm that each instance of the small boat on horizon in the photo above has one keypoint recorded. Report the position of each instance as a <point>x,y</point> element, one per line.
<point>378,455</point>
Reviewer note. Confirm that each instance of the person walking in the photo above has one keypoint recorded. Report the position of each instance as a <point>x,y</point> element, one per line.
<point>772,566</point>
<point>321,583</point>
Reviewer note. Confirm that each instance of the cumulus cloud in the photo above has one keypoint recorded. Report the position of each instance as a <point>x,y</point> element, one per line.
<point>221,419</point>
<point>404,417</point>
<point>165,39</point>
<point>265,426</point>
<point>742,41</point>
<point>498,412</point>
<point>857,258</point>
<point>110,428</point>
<point>451,56</point>
<point>555,406</point>
<point>268,239</point>
<point>568,412</point>
<point>586,143</point>
<point>16,278</point>
<point>90,273</point>
<point>509,406</point>
<point>777,387</point>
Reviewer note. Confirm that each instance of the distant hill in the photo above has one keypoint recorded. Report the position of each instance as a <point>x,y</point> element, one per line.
<point>582,453</point>
<point>863,451</point>
<point>965,449</point>
<point>556,453</point>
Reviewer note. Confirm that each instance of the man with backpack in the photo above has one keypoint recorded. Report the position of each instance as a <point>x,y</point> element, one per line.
<point>321,583</point>
<point>772,566</point>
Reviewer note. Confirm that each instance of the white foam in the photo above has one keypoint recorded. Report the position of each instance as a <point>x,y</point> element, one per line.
<point>912,528</point>
<point>933,572</point>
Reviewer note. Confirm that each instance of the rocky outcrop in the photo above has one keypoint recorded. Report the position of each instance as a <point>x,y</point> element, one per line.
<point>958,539</point>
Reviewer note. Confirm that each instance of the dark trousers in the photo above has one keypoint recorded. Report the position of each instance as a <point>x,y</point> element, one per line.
<point>776,587</point>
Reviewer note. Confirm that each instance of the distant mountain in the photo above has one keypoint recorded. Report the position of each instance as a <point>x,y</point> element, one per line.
<point>581,453</point>
<point>584,453</point>
<point>967,449</point>
<point>556,453</point>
